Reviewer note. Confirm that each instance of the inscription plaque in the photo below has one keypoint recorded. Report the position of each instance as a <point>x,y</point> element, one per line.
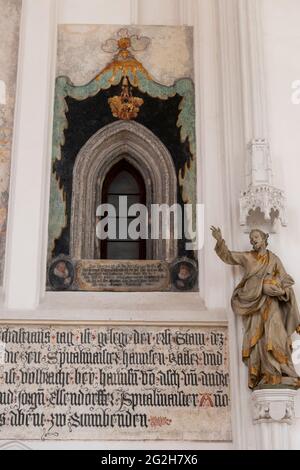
<point>101,275</point>
<point>104,382</point>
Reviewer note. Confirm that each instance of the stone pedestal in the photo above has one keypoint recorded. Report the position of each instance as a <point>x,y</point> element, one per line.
<point>273,413</point>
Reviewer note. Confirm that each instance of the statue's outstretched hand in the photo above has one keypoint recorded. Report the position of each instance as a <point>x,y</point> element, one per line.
<point>216,233</point>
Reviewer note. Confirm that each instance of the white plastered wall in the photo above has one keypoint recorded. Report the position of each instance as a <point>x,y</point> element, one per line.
<point>225,122</point>
<point>282,66</point>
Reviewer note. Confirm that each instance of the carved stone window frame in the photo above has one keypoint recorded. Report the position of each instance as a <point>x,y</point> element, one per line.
<point>144,151</point>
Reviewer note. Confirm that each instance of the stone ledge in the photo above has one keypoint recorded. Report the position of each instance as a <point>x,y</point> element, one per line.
<point>156,307</point>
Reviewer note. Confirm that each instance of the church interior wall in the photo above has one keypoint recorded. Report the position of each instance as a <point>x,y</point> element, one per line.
<point>218,187</point>
<point>281,48</point>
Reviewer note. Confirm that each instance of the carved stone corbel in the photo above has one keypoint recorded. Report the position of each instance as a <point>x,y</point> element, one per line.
<point>274,405</point>
<point>273,412</point>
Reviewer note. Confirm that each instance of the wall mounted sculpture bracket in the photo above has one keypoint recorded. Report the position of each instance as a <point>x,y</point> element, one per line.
<point>274,405</point>
<point>273,413</point>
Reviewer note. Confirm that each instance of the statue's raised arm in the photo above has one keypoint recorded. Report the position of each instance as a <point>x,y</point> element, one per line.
<point>216,233</point>
<point>229,257</point>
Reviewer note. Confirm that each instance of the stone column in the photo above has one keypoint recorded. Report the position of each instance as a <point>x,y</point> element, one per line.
<point>273,413</point>
<point>31,157</point>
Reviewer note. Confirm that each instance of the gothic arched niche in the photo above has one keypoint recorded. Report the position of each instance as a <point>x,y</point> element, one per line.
<point>136,144</point>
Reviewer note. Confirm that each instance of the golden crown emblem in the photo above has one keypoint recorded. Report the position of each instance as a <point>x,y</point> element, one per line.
<point>126,106</point>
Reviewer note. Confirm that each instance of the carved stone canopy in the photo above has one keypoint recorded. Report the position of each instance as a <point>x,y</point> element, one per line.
<point>273,412</point>
<point>261,203</point>
<point>267,199</point>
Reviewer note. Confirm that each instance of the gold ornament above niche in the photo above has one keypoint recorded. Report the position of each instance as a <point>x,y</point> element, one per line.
<point>126,106</point>
<point>124,60</point>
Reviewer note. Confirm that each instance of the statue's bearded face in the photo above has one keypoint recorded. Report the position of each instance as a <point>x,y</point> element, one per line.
<point>257,240</point>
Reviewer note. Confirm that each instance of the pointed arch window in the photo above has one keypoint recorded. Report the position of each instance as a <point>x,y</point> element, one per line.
<point>123,180</point>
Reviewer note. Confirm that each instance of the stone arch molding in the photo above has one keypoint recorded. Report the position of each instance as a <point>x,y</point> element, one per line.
<point>142,149</point>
